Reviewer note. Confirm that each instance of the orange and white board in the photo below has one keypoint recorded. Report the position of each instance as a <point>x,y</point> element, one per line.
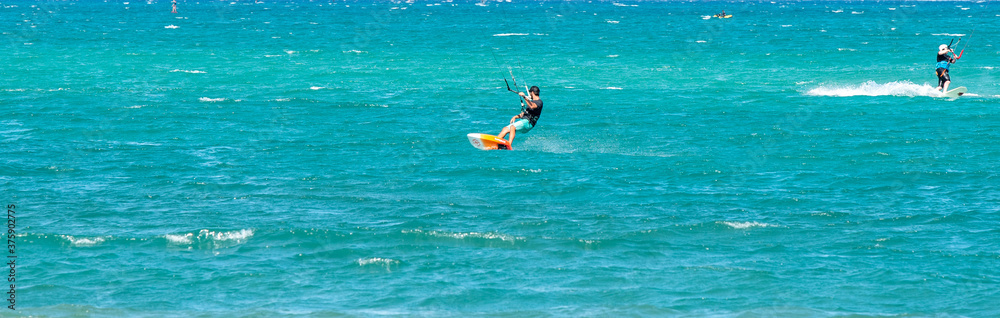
<point>488,142</point>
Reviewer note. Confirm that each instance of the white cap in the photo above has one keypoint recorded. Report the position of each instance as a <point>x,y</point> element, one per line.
<point>943,47</point>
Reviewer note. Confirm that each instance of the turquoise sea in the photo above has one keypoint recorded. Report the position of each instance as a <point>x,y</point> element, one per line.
<point>309,158</point>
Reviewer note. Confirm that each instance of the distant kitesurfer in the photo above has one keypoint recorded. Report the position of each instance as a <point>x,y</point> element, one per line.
<point>943,62</point>
<point>523,122</point>
<point>174,3</point>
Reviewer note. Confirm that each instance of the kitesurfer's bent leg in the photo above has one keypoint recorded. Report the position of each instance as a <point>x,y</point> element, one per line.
<point>506,129</point>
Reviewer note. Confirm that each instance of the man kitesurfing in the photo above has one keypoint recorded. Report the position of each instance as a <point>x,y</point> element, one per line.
<point>944,61</point>
<point>530,111</point>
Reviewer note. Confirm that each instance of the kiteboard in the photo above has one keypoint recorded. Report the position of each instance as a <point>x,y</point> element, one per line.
<point>724,16</point>
<point>488,142</point>
<point>955,93</point>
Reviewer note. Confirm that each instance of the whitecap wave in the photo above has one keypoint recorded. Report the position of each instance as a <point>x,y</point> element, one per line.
<point>871,88</point>
<point>461,236</point>
<point>211,100</point>
<point>181,239</point>
<point>746,225</point>
<point>510,34</point>
<point>211,239</point>
<point>85,241</point>
<point>377,261</point>
<point>237,236</point>
<point>189,71</point>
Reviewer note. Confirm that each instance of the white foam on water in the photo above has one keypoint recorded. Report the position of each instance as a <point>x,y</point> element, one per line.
<point>213,238</point>
<point>238,236</point>
<point>182,239</point>
<point>871,88</point>
<point>85,241</point>
<point>377,261</point>
<point>746,225</point>
<point>211,100</point>
<point>461,236</point>
<point>188,71</point>
<point>510,34</point>
<point>134,143</point>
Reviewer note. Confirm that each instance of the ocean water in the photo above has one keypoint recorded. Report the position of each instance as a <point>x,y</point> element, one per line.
<point>309,158</point>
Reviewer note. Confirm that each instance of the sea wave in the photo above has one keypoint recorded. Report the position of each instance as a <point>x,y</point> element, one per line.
<point>210,239</point>
<point>85,241</point>
<point>462,236</point>
<point>377,261</point>
<point>745,225</point>
<point>188,71</point>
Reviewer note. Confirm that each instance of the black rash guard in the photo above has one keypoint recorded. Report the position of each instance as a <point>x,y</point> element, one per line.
<point>532,115</point>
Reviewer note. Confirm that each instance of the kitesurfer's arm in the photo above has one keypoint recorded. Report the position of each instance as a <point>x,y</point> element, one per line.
<point>526,99</point>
